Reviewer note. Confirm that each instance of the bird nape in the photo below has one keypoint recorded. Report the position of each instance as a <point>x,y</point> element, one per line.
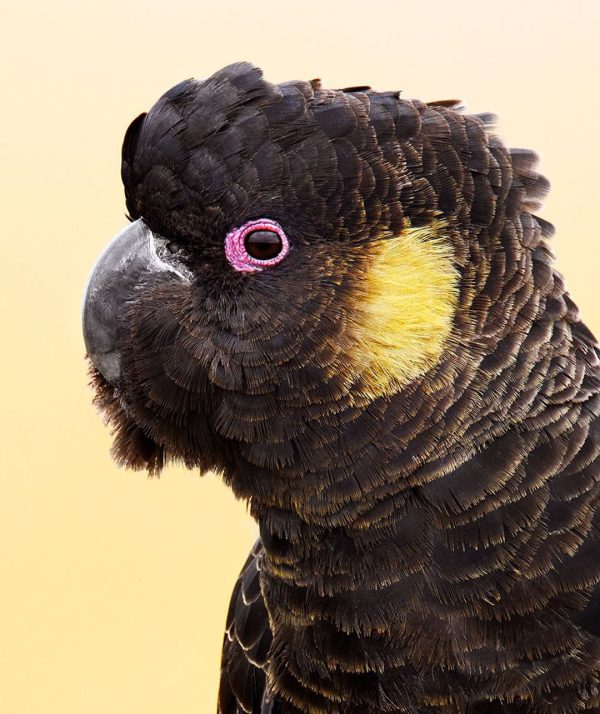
<point>343,302</point>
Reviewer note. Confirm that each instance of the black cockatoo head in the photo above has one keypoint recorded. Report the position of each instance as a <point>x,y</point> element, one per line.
<point>300,261</point>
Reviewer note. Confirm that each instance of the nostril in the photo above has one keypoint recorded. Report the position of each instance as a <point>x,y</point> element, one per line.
<point>174,247</point>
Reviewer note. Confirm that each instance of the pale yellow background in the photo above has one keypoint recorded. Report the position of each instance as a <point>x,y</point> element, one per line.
<point>114,588</point>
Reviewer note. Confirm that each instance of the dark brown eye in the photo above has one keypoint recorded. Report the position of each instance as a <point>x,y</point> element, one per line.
<point>257,245</point>
<point>263,245</point>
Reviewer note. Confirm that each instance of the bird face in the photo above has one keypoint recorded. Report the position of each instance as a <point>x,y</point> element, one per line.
<point>284,262</point>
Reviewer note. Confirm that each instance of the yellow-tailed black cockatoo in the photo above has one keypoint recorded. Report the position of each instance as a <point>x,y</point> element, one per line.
<point>343,302</point>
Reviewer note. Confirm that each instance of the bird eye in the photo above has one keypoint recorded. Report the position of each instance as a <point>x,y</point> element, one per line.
<point>263,245</point>
<point>256,245</point>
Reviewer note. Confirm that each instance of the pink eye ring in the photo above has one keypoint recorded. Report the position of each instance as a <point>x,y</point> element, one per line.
<point>256,245</point>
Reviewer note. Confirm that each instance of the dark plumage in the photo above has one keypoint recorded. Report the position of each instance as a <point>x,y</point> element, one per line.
<point>427,507</point>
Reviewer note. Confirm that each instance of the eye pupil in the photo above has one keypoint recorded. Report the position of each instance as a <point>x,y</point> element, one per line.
<point>263,244</point>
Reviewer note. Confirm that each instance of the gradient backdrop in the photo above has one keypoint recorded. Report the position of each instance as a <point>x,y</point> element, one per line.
<point>113,587</point>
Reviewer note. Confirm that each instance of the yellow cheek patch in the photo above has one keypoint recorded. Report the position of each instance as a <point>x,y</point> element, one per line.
<point>404,309</point>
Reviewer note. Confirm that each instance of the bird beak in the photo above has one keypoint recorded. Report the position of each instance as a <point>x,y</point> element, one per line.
<point>129,261</point>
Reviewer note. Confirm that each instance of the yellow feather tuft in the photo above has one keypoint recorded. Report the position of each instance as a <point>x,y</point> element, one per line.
<point>405,308</point>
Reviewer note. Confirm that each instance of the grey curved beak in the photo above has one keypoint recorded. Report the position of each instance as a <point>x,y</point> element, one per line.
<point>126,264</point>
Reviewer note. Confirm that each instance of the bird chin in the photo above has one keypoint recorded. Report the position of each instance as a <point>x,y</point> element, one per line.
<point>132,447</point>
<point>146,443</point>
